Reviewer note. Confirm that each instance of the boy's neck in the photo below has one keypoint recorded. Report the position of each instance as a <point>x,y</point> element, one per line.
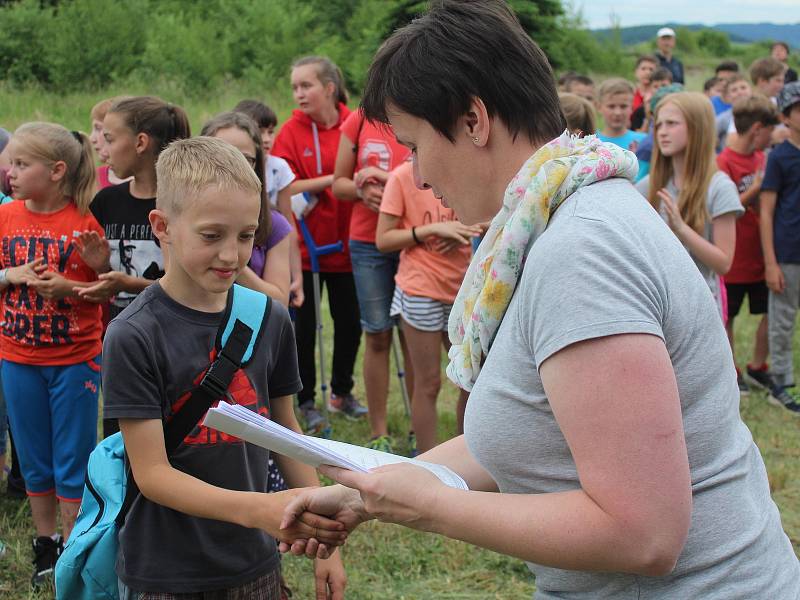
<point>743,144</point>
<point>143,184</point>
<point>794,137</point>
<point>614,133</point>
<point>191,296</point>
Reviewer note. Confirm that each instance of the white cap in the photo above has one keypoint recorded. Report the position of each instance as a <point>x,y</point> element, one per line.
<point>665,32</point>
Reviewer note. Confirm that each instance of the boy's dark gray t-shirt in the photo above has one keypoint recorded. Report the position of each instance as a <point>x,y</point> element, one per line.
<point>154,352</point>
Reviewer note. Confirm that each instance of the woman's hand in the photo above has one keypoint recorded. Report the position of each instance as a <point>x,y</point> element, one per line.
<point>25,273</point>
<point>94,250</point>
<point>330,578</point>
<point>397,493</point>
<point>674,218</point>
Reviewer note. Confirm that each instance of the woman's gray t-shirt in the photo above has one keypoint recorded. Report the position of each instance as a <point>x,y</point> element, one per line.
<point>607,264</point>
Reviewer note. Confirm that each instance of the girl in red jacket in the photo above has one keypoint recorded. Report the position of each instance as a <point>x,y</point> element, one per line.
<point>309,142</point>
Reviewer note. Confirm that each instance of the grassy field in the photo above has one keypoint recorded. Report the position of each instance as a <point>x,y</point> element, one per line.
<point>386,561</point>
<point>383,561</point>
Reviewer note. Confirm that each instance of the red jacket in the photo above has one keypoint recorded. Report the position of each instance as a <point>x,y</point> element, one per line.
<point>329,221</point>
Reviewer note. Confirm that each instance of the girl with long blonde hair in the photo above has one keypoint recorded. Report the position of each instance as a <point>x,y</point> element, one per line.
<point>698,202</point>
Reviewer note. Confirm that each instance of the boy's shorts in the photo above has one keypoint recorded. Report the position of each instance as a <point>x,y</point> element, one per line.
<point>425,314</point>
<point>373,272</point>
<point>757,297</point>
<point>53,414</point>
<point>266,587</point>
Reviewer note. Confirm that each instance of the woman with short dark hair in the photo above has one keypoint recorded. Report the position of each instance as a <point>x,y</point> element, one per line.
<point>603,442</point>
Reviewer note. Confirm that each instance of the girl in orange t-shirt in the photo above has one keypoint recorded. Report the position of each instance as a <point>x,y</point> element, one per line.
<point>435,255</point>
<point>50,342</point>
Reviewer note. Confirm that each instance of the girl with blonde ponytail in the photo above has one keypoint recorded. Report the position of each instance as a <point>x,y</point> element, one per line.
<point>698,202</point>
<point>50,340</point>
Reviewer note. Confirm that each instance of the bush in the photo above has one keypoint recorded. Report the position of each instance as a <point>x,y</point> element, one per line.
<point>22,44</point>
<point>81,51</point>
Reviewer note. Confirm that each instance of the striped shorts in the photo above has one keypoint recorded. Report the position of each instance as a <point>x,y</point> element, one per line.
<point>425,314</point>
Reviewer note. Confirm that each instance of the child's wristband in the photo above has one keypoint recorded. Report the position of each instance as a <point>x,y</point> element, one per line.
<point>414,235</point>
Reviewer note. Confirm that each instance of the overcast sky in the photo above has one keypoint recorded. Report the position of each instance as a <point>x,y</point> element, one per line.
<point>647,12</point>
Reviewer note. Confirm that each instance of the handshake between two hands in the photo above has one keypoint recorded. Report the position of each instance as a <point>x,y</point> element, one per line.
<point>318,520</point>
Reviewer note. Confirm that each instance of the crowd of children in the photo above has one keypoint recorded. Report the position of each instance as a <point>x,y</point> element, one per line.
<point>137,257</point>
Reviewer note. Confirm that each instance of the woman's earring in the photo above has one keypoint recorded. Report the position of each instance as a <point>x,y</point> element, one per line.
<point>474,140</point>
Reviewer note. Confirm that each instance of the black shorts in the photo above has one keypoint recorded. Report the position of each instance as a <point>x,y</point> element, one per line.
<point>757,295</point>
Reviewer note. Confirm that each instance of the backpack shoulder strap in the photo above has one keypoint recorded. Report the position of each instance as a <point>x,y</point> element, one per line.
<point>252,309</point>
<point>240,330</point>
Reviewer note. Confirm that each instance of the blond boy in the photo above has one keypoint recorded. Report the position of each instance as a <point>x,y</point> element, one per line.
<point>202,522</point>
<point>614,102</point>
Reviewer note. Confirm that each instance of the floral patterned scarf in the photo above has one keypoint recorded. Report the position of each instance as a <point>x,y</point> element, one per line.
<point>546,179</point>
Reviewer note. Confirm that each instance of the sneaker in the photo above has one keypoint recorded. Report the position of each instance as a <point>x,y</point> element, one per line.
<point>382,443</point>
<point>759,377</point>
<point>782,396</point>
<point>45,555</point>
<point>744,389</point>
<point>412,445</point>
<point>315,422</point>
<point>348,405</point>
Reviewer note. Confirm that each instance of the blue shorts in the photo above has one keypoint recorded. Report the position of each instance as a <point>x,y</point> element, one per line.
<point>374,273</point>
<point>53,413</point>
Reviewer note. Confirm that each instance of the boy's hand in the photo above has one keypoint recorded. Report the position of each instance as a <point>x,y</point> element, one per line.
<point>330,578</point>
<point>107,285</point>
<point>336,501</point>
<point>52,286</point>
<point>94,250</point>
<point>25,273</point>
<point>774,277</point>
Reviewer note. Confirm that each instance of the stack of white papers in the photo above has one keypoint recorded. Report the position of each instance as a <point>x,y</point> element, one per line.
<point>249,426</point>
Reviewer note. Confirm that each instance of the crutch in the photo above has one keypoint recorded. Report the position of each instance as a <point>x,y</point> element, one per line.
<point>401,374</point>
<point>314,252</point>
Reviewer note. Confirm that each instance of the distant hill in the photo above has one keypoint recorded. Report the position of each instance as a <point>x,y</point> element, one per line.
<point>738,32</point>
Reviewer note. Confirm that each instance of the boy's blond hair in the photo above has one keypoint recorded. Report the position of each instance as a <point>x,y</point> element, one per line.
<point>189,166</point>
<point>615,85</point>
<point>765,69</point>
<point>579,113</point>
<point>755,109</point>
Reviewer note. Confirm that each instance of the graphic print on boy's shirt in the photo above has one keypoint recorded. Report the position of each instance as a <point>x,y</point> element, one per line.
<point>126,222</point>
<point>240,391</point>
<point>36,330</point>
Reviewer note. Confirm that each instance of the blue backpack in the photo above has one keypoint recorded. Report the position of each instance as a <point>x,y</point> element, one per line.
<point>86,568</point>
